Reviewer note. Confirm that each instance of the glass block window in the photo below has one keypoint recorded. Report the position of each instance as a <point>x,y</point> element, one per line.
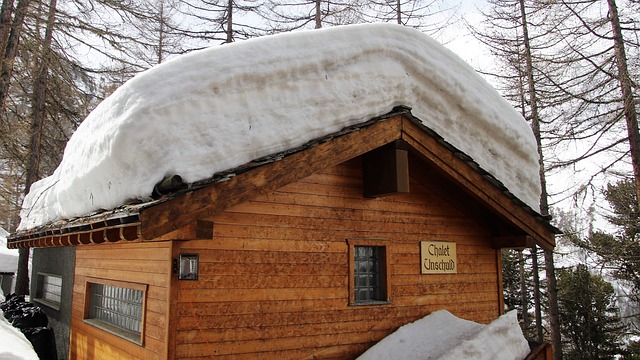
<point>367,273</point>
<point>49,290</point>
<point>117,309</point>
<point>369,278</point>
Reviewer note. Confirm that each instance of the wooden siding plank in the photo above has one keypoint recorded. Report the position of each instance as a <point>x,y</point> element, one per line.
<point>277,267</point>
<point>133,263</point>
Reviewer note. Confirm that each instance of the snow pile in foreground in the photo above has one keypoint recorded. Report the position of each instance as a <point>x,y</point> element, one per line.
<point>13,344</point>
<point>443,336</point>
<point>216,109</point>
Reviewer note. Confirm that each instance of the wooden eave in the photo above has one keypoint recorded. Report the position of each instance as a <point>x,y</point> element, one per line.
<point>91,230</point>
<point>184,210</point>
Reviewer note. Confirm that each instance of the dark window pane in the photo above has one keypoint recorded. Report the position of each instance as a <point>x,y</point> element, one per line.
<point>367,273</point>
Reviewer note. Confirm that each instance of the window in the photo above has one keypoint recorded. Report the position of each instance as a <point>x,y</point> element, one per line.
<point>49,290</point>
<point>368,275</point>
<point>117,307</point>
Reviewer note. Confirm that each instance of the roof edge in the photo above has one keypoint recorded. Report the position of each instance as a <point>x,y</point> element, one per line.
<point>129,215</point>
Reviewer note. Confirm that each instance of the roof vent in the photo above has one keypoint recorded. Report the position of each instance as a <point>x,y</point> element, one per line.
<point>168,185</point>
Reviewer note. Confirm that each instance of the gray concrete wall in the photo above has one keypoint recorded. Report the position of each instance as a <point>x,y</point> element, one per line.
<point>58,261</point>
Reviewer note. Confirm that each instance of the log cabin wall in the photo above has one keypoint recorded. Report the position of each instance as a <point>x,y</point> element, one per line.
<point>274,280</point>
<point>146,264</point>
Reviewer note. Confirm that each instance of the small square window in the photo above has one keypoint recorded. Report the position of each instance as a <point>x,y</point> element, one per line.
<point>117,307</point>
<point>49,290</point>
<point>368,275</point>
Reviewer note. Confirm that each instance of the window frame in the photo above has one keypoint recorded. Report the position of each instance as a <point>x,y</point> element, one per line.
<point>384,277</point>
<point>39,296</point>
<point>113,328</point>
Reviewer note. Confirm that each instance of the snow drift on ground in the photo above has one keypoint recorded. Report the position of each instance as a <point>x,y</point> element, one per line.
<point>443,336</point>
<point>215,109</point>
<point>13,344</point>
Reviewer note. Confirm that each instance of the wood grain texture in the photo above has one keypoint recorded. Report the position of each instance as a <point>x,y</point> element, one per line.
<point>148,264</point>
<point>274,279</point>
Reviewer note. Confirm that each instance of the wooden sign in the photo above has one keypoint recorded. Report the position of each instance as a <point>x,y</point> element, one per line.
<point>438,257</point>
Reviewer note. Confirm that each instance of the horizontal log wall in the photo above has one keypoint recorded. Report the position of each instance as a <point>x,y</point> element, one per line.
<point>274,279</point>
<point>143,263</point>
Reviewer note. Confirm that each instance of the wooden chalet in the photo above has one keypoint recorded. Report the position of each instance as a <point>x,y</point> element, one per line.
<point>315,253</point>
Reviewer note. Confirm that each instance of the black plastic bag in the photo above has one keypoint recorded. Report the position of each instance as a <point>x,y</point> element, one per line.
<point>11,301</point>
<point>17,310</point>
<point>43,342</point>
<point>30,317</point>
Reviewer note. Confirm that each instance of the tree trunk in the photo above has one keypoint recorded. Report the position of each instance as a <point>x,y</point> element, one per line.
<point>630,114</point>
<point>318,15</point>
<point>5,23</point>
<point>524,299</point>
<point>6,71</point>
<point>229,22</point>
<point>161,20</point>
<point>552,295</point>
<point>22,274</point>
<point>11,50</point>
<point>536,293</point>
<point>35,144</point>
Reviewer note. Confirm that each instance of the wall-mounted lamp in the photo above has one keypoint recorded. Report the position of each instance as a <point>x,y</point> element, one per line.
<point>188,267</point>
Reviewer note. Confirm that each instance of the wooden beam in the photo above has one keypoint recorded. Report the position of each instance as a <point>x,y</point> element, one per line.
<point>385,170</point>
<point>204,229</point>
<point>205,202</point>
<point>512,242</point>
<point>125,232</point>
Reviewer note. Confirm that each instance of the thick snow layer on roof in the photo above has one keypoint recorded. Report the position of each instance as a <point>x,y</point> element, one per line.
<point>443,336</point>
<point>215,109</point>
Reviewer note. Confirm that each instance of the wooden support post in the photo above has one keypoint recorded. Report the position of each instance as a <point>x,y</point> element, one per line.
<point>385,170</point>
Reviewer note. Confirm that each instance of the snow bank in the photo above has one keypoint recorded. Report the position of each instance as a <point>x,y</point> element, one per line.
<point>13,344</point>
<point>218,108</point>
<point>443,336</point>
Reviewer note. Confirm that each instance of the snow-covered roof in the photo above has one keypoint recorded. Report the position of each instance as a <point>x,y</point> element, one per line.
<point>215,109</point>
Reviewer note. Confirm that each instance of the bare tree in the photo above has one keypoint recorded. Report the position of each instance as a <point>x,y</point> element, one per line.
<point>10,37</point>
<point>508,34</point>
<point>598,90</point>
<point>217,21</point>
<point>284,15</point>
<point>430,16</point>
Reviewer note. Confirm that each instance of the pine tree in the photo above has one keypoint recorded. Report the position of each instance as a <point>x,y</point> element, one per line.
<point>590,321</point>
<point>619,252</point>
